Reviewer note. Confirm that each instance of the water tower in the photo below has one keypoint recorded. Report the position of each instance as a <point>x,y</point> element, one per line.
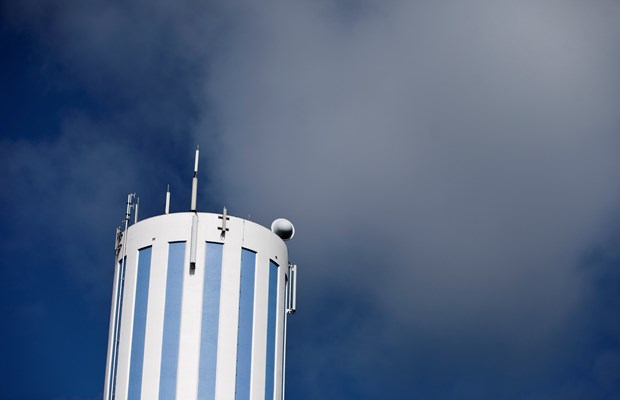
<point>199,306</point>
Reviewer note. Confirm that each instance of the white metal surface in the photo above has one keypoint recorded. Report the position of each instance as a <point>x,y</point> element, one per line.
<point>196,229</point>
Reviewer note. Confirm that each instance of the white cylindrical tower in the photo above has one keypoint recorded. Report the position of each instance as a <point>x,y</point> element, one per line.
<point>199,309</point>
<point>213,330</point>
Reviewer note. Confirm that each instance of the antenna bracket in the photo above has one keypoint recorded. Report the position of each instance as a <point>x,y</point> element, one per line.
<point>225,218</point>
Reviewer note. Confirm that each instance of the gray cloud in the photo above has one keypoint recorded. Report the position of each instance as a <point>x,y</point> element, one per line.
<point>452,163</point>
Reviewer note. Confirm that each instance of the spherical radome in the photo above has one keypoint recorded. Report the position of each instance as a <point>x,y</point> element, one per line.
<point>283,228</point>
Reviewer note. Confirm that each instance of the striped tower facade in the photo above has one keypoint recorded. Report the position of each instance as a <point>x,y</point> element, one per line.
<point>198,311</point>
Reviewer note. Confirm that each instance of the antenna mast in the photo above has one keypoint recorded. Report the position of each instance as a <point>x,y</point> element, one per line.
<point>195,182</point>
<point>194,236</point>
<point>167,209</point>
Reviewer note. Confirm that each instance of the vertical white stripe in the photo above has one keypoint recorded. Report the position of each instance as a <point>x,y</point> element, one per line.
<point>113,322</point>
<point>189,338</point>
<point>129,298</point>
<point>280,324</point>
<point>259,338</point>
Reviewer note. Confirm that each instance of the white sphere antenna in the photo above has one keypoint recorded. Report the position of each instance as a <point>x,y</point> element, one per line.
<point>283,228</point>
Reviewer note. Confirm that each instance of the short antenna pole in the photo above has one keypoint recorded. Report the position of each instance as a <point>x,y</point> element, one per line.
<point>195,182</point>
<point>135,215</point>
<point>167,209</point>
<point>194,238</point>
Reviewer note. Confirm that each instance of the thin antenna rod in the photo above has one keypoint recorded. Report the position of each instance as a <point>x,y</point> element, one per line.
<point>195,182</point>
<point>135,216</point>
<point>194,238</point>
<point>196,161</point>
<point>167,209</point>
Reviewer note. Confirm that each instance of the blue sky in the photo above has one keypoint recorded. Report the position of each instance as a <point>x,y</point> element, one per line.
<point>452,171</point>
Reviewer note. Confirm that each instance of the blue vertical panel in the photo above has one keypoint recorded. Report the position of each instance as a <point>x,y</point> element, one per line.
<point>172,321</point>
<point>272,312</point>
<point>139,323</point>
<point>246,314</point>
<point>210,321</point>
<point>118,313</point>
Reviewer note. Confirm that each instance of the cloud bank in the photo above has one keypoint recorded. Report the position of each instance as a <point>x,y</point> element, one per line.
<point>448,166</point>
